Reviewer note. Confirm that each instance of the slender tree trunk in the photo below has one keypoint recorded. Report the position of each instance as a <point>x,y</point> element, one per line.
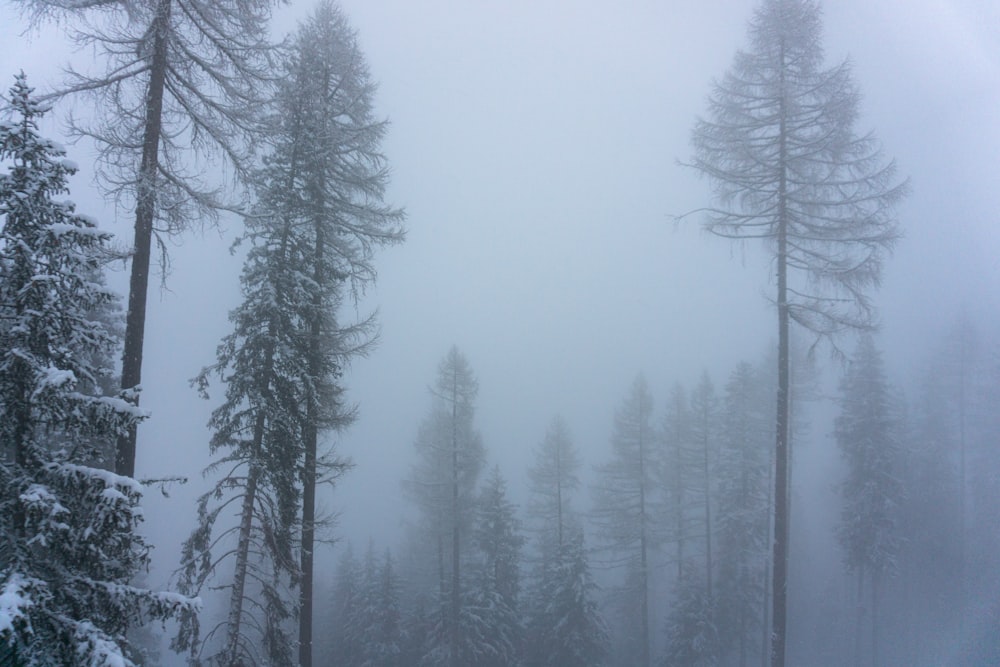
<point>765,621</point>
<point>875,619</point>
<point>859,620</point>
<point>145,212</point>
<point>242,553</point>
<point>644,574</point>
<point>780,557</point>
<point>456,578</point>
<point>708,512</point>
<point>310,444</point>
<point>559,507</point>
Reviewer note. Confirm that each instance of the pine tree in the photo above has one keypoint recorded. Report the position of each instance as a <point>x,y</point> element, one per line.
<point>442,485</point>
<point>744,508</point>
<point>867,432</point>
<point>554,478</point>
<point>623,506</point>
<point>497,575</point>
<point>183,82</point>
<point>787,167</point>
<point>679,506</point>
<point>692,634</point>
<point>704,440</point>
<point>68,542</point>
<point>342,628</point>
<point>566,627</point>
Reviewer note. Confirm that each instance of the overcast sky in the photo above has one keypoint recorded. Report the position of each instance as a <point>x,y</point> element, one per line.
<point>535,145</point>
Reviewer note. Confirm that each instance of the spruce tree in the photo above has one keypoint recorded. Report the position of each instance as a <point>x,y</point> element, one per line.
<point>69,549</point>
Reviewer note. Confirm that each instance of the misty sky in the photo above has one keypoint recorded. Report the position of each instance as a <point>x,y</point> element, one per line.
<point>536,147</point>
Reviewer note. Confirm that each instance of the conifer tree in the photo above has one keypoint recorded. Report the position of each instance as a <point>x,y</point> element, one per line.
<point>787,167</point>
<point>183,82</point>
<point>623,506</point>
<point>867,432</point>
<point>69,549</point>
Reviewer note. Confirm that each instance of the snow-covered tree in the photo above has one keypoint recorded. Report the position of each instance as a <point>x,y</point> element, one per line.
<point>704,451</point>
<point>69,549</point>
<point>692,634</point>
<point>554,478</point>
<point>743,508</point>
<point>318,219</point>
<point>495,579</point>
<point>679,507</point>
<point>566,628</point>
<point>867,432</point>
<point>182,83</point>
<point>787,166</point>
<point>623,505</point>
<point>330,179</point>
<point>442,485</point>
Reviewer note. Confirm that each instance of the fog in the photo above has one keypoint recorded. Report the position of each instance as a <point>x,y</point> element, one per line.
<point>538,149</point>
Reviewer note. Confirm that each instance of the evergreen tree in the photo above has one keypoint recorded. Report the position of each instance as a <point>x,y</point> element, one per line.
<point>442,485</point>
<point>867,432</point>
<point>554,478</point>
<point>497,579</point>
<point>744,508</point>
<point>183,82</point>
<point>69,549</point>
<point>566,627</point>
<point>623,506</point>
<point>704,440</point>
<point>787,166</point>
<point>679,505</point>
<point>692,634</point>
<point>344,633</point>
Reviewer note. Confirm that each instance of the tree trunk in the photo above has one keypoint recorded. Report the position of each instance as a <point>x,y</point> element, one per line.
<point>310,444</point>
<point>456,593</point>
<point>242,553</point>
<point>859,620</point>
<point>145,212</point>
<point>644,574</point>
<point>875,620</point>
<point>708,512</point>
<point>780,556</point>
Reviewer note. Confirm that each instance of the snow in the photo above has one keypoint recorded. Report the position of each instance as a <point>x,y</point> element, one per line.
<point>14,600</point>
<point>110,479</point>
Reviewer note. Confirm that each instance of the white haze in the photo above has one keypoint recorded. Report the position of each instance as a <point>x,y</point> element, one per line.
<point>535,145</point>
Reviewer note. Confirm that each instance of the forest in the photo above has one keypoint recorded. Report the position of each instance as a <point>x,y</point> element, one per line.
<point>332,367</point>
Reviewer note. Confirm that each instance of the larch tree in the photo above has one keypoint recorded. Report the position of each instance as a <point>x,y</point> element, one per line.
<point>182,82</point>
<point>69,547</point>
<point>339,179</point>
<point>743,508</point>
<point>564,626</point>
<point>867,432</point>
<point>318,219</point>
<point>623,511</point>
<point>553,479</point>
<point>679,510</point>
<point>442,485</point>
<point>704,441</point>
<point>786,166</point>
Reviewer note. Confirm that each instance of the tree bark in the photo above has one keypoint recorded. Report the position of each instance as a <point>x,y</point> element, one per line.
<point>145,212</point>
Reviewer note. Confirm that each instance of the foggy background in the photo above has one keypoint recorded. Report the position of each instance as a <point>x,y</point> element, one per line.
<point>535,146</point>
